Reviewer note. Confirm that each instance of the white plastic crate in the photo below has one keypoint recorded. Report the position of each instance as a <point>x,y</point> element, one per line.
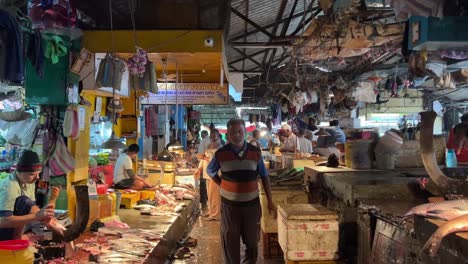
<point>308,232</point>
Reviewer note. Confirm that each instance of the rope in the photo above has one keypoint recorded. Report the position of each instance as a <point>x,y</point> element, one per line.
<point>132,8</point>
<point>111,26</point>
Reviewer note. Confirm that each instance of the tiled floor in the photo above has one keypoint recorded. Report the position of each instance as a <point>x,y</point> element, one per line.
<point>208,250</point>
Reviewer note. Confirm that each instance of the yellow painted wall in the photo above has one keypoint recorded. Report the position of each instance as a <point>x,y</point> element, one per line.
<point>153,40</point>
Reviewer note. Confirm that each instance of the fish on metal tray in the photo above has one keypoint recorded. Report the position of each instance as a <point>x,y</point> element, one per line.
<point>455,225</point>
<point>144,206</point>
<point>118,260</point>
<point>112,231</point>
<point>446,210</point>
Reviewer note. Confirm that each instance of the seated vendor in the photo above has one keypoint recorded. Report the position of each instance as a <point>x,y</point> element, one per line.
<point>124,177</point>
<point>290,143</point>
<point>461,150</point>
<point>336,132</point>
<point>17,199</point>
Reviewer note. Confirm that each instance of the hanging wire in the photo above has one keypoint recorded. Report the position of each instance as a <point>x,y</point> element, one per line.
<point>132,8</point>
<point>177,103</point>
<point>111,26</point>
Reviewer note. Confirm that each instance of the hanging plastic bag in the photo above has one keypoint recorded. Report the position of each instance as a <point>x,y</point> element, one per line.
<point>119,68</point>
<point>105,72</point>
<point>21,132</point>
<point>71,123</point>
<point>60,161</point>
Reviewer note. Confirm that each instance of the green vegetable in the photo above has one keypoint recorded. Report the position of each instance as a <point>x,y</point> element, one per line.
<point>102,159</point>
<point>92,162</point>
<point>3,175</point>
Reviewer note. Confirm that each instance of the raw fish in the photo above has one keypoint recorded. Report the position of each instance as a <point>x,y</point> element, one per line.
<point>446,210</point>
<point>458,224</point>
<point>115,223</point>
<point>144,206</point>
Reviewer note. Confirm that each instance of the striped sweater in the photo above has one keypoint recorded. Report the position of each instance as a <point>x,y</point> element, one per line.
<point>239,178</point>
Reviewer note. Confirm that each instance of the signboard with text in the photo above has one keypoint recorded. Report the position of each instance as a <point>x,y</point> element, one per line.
<point>189,94</point>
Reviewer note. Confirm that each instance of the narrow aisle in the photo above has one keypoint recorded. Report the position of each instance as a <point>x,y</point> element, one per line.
<point>208,250</point>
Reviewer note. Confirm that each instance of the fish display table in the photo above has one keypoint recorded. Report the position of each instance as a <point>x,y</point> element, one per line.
<point>453,249</point>
<point>360,198</point>
<point>174,228</point>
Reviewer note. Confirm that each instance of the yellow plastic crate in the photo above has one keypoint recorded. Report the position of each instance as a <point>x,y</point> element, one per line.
<point>129,200</point>
<point>147,194</point>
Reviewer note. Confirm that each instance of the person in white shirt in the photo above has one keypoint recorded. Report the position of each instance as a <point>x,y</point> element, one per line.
<point>203,144</point>
<point>124,177</point>
<point>305,145</point>
<point>200,156</point>
<point>290,144</point>
<point>214,197</point>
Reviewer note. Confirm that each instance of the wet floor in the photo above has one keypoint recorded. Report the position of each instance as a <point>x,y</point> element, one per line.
<point>208,250</point>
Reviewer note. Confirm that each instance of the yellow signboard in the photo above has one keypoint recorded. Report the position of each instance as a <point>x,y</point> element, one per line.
<point>189,94</point>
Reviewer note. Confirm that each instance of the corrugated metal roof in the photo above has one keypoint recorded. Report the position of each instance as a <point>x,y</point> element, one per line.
<point>263,13</point>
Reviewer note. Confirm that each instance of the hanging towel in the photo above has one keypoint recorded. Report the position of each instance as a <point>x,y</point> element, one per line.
<point>147,123</point>
<point>154,121</point>
<point>55,48</point>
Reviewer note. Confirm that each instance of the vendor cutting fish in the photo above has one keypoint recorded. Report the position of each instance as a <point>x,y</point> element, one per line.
<point>17,200</point>
<point>124,176</point>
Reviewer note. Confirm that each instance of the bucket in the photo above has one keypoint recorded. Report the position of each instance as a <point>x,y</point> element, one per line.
<point>16,252</point>
<point>390,142</point>
<point>358,154</point>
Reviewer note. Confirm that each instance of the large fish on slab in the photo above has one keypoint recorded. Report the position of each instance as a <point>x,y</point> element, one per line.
<point>447,185</point>
<point>455,225</point>
<point>446,210</point>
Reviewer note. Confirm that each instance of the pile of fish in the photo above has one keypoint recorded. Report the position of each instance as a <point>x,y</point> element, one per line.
<point>454,212</point>
<point>124,246</point>
<point>167,200</point>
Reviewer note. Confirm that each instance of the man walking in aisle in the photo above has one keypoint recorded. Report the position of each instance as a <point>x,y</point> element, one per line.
<point>201,153</point>
<point>241,166</point>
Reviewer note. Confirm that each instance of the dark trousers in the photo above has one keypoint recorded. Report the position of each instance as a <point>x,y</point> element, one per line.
<point>203,192</point>
<point>240,222</point>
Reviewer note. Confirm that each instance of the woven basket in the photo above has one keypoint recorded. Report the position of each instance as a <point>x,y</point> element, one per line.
<point>115,106</point>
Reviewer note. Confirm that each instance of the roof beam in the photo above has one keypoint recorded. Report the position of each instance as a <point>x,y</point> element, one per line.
<point>275,28</point>
<point>282,58</point>
<point>305,22</point>
<point>249,57</point>
<point>245,34</point>
<point>255,25</point>
<point>286,24</point>
<point>249,72</point>
<point>261,45</point>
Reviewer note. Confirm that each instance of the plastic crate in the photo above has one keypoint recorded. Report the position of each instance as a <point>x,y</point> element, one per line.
<point>147,194</point>
<point>129,200</point>
<point>308,232</point>
<point>271,247</point>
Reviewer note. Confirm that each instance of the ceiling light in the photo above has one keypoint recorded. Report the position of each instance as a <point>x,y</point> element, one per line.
<point>113,143</point>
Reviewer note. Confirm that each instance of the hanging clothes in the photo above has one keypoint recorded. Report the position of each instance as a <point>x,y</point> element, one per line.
<point>14,49</point>
<point>55,47</point>
<point>151,121</point>
<point>35,52</point>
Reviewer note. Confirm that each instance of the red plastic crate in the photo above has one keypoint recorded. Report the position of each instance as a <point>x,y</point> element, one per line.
<point>107,170</point>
